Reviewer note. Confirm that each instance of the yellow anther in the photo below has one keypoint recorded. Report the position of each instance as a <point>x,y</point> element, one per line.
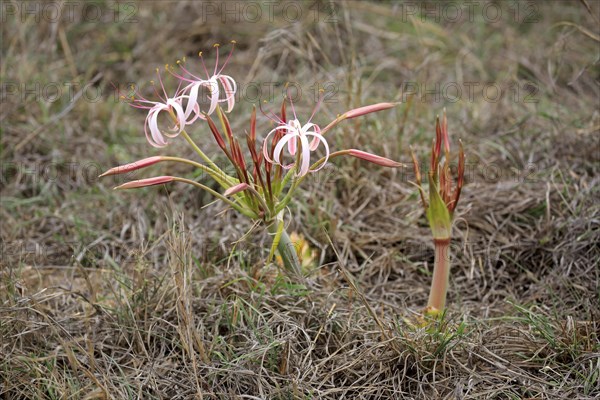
<point>199,54</point>
<point>216,45</point>
<point>132,86</point>
<point>152,82</point>
<point>157,69</point>
<point>183,58</point>
<point>233,42</point>
<point>178,62</point>
<point>321,90</point>
<point>167,67</point>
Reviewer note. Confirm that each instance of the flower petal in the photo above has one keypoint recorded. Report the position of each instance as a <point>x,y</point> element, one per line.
<point>320,139</point>
<point>266,144</point>
<point>305,159</point>
<point>279,148</point>
<point>157,137</point>
<point>292,144</point>
<point>213,86</point>
<point>315,142</point>
<point>192,98</point>
<point>230,88</point>
<point>175,105</point>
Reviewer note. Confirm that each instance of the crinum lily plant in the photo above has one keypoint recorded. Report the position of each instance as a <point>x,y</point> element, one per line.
<point>267,173</point>
<point>440,208</point>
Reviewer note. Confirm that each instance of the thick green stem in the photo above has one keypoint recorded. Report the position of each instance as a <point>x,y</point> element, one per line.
<point>286,250</point>
<point>441,275</point>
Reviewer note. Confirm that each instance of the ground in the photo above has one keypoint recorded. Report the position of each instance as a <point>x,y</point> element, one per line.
<point>159,293</point>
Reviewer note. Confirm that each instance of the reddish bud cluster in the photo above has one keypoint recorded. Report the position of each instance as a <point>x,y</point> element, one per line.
<point>440,178</point>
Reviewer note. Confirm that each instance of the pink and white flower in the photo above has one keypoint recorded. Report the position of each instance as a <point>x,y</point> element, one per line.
<point>295,133</point>
<point>213,83</point>
<point>171,105</point>
<point>292,133</point>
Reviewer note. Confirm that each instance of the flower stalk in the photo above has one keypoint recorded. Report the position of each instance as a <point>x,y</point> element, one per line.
<point>285,247</point>
<point>441,276</point>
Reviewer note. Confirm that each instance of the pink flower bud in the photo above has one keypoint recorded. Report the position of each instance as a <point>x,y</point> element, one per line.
<point>357,112</point>
<point>133,166</point>
<point>158,180</point>
<point>236,189</point>
<point>375,159</point>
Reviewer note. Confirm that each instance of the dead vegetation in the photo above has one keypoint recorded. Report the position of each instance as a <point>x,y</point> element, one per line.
<point>144,295</point>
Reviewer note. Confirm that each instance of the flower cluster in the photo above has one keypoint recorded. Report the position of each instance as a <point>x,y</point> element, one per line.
<point>183,106</point>
<point>259,188</point>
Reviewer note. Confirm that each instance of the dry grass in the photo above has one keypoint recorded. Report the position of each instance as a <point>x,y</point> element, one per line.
<point>140,295</point>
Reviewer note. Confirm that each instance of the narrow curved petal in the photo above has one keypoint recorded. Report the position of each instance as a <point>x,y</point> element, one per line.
<point>213,86</point>
<point>230,88</point>
<point>154,129</point>
<point>155,138</point>
<point>176,106</point>
<point>279,149</point>
<point>197,114</point>
<point>320,139</point>
<point>293,127</point>
<point>191,108</point>
<point>266,144</point>
<point>305,159</point>
<point>148,137</point>
<point>292,143</point>
<point>192,98</point>
<point>316,139</point>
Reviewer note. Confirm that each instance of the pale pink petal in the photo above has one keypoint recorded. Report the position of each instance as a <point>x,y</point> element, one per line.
<point>292,144</point>
<point>176,106</point>
<point>305,162</point>
<point>315,142</point>
<point>230,88</point>
<point>266,144</point>
<point>320,139</point>
<point>213,85</point>
<point>192,98</point>
<point>155,138</point>
<point>293,127</point>
<point>154,129</point>
<point>148,137</point>
<point>197,114</point>
<point>279,148</point>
